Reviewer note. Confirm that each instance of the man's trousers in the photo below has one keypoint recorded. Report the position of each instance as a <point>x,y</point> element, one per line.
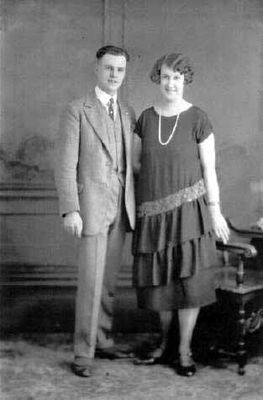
<point>99,263</point>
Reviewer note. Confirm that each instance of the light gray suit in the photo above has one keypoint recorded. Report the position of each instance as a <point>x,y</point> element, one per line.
<point>87,182</point>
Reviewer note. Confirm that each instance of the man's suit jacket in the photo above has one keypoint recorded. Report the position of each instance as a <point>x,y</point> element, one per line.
<point>84,162</point>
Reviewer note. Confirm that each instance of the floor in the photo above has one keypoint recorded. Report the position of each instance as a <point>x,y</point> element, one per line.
<point>36,366</point>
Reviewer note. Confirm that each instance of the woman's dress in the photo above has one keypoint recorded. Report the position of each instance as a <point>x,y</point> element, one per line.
<point>173,244</point>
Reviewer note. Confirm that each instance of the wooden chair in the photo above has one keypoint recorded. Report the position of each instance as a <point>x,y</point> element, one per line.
<point>240,287</point>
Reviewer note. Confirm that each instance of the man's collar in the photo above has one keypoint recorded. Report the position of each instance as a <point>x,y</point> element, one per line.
<point>103,96</point>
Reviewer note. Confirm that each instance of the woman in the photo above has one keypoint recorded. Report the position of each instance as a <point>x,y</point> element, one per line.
<point>178,207</point>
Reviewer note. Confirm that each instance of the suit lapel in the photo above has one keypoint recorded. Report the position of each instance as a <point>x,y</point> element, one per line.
<point>95,116</point>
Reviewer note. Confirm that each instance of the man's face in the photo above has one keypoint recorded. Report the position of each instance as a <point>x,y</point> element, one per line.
<point>110,71</point>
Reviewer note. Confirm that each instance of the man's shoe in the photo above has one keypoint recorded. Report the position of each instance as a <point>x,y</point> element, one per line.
<point>112,353</point>
<point>85,371</point>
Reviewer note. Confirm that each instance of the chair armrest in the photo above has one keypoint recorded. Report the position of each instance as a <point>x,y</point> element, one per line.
<point>248,233</point>
<point>242,249</point>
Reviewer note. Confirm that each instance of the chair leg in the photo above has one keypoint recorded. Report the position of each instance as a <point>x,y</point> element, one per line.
<point>241,347</point>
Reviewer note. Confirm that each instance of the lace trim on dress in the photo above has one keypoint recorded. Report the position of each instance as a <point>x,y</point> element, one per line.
<point>174,200</point>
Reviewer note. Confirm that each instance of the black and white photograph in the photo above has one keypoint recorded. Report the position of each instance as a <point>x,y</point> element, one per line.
<point>131,200</point>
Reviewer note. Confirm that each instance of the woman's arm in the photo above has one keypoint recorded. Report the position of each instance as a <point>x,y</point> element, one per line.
<point>207,156</point>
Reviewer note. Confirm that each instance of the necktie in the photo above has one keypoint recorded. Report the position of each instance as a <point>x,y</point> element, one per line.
<point>110,108</point>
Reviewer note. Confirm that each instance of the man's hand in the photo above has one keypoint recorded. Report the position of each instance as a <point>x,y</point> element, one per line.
<point>73,223</point>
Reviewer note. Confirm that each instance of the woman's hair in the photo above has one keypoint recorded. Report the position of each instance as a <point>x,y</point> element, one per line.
<point>175,61</point>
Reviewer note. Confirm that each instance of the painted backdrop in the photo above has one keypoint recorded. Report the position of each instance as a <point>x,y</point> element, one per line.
<point>48,49</point>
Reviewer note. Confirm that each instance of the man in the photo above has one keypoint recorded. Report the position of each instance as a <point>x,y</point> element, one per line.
<point>96,199</point>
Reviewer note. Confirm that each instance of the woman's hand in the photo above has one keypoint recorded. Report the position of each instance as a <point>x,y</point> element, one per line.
<point>219,224</point>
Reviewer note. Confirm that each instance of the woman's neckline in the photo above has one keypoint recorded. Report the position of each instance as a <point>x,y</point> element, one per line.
<point>173,115</point>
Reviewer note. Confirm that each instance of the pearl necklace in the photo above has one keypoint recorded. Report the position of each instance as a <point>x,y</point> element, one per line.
<point>160,131</point>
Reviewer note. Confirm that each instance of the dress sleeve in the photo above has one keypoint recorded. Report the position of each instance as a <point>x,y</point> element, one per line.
<point>138,126</point>
<point>204,127</point>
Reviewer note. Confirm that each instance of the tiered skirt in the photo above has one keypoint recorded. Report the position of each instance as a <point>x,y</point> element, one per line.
<point>175,258</point>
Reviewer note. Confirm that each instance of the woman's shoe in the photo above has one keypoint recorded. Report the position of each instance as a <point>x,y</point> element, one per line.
<point>157,356</point>
<point>186,366</point>
<point>186,370</point>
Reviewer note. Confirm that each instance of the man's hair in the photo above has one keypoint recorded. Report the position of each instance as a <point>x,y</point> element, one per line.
<point>114,50</point>
<point>175,61</point>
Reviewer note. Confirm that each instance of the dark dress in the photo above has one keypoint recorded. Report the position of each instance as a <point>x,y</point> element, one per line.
<point>173,245</point>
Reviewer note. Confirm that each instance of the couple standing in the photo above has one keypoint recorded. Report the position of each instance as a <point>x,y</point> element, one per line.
<point>178,213</point>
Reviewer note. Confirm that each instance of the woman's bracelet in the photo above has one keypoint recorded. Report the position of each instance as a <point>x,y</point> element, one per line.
<point>213,203</point>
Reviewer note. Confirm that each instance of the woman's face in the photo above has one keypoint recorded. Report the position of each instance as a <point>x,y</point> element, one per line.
<point>171,84</point>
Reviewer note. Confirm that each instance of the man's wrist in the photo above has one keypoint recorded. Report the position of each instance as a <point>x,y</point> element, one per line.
<point>71,212</point>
